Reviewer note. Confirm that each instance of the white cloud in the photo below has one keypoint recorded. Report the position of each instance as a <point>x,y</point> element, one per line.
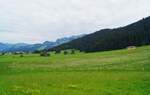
<point>40,20</point>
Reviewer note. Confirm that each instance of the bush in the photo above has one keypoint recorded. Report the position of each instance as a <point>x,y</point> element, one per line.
<point>73,51</point>
<point>45,54</point>
<point>2,53</point>
<point>65,52</point>
<point>57,52</point>
<point>21,55</point>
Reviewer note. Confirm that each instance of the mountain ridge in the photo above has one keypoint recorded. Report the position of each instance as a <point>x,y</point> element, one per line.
<point>25,47</point>
<point>135,34</point>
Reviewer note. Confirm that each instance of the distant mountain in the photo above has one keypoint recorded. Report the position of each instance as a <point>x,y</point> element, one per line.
<point>135,34</point>
<point>4,47</point>
<point>23,47</point>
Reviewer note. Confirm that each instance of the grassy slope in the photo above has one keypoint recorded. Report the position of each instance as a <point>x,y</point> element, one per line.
<point>122,72</point>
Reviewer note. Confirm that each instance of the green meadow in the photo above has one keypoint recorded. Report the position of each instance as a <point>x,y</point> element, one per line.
<point>119,72</point>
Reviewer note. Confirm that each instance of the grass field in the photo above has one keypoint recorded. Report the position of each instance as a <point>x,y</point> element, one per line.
<point>121,72</point>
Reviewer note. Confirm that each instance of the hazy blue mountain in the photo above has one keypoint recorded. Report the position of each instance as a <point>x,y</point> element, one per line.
<point>24,47</point>
<point>4,47</point>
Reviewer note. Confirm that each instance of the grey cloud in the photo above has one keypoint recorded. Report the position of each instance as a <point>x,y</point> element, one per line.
<point>40,20</point>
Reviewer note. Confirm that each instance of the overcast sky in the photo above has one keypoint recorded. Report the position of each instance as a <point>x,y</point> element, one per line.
<point>34,21</point>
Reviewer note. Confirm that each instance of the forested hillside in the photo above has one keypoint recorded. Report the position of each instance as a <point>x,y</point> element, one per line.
<point>135,34</point>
